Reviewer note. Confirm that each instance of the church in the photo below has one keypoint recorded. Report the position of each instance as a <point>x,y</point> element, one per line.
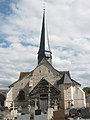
<point>45,87</point>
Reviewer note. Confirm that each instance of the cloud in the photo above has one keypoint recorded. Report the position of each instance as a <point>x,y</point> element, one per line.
<point>68,26</point>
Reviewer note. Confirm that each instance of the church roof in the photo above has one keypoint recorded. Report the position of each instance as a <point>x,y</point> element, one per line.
<point>75,82</point>
<point>42,41</point>
<point>21,76</point>
<point>44,49</point>
<point>67,80</point>
<point>55,71</point>
<point>65,75</point>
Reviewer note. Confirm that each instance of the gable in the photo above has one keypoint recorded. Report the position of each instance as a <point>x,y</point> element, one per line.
<point>45,69</point>
<point>45,63</point>
<point>43,88</point>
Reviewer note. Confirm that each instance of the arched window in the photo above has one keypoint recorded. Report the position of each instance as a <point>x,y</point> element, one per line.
<point>21,95</point>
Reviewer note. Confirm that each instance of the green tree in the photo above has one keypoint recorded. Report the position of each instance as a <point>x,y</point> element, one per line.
<point>86,90</point>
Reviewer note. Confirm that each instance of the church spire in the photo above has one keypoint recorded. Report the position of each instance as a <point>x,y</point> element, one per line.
<point>44,49</point>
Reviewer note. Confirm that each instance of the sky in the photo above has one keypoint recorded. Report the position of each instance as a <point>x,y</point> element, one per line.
<point>68,23</point>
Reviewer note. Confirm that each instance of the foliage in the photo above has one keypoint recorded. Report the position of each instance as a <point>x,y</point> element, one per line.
<point>86,90</point>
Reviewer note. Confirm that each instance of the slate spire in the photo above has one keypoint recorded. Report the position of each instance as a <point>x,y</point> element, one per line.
<point>44,49</point>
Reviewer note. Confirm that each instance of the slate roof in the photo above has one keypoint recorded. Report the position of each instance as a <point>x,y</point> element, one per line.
<point>67,80</point>
<point>75,82</point>
<point>22,75</point>
<point>44,49</point>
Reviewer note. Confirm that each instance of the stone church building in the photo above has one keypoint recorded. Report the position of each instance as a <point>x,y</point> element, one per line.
<point>45,87</point>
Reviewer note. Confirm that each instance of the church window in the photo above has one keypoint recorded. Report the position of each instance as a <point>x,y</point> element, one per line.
<point>21,95</point>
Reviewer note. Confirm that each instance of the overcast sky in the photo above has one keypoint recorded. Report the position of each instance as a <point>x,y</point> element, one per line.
<point>68,24</point>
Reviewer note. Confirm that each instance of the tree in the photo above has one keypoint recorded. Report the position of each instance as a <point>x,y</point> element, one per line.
<point>86,90</point>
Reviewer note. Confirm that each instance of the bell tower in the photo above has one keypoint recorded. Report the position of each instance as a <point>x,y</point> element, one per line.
<point>44,49</point>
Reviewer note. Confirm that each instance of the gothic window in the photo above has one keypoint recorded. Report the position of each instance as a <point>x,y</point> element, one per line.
<point>21,95</point>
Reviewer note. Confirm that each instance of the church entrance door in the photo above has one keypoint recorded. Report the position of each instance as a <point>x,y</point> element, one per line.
<point>43,103</point>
